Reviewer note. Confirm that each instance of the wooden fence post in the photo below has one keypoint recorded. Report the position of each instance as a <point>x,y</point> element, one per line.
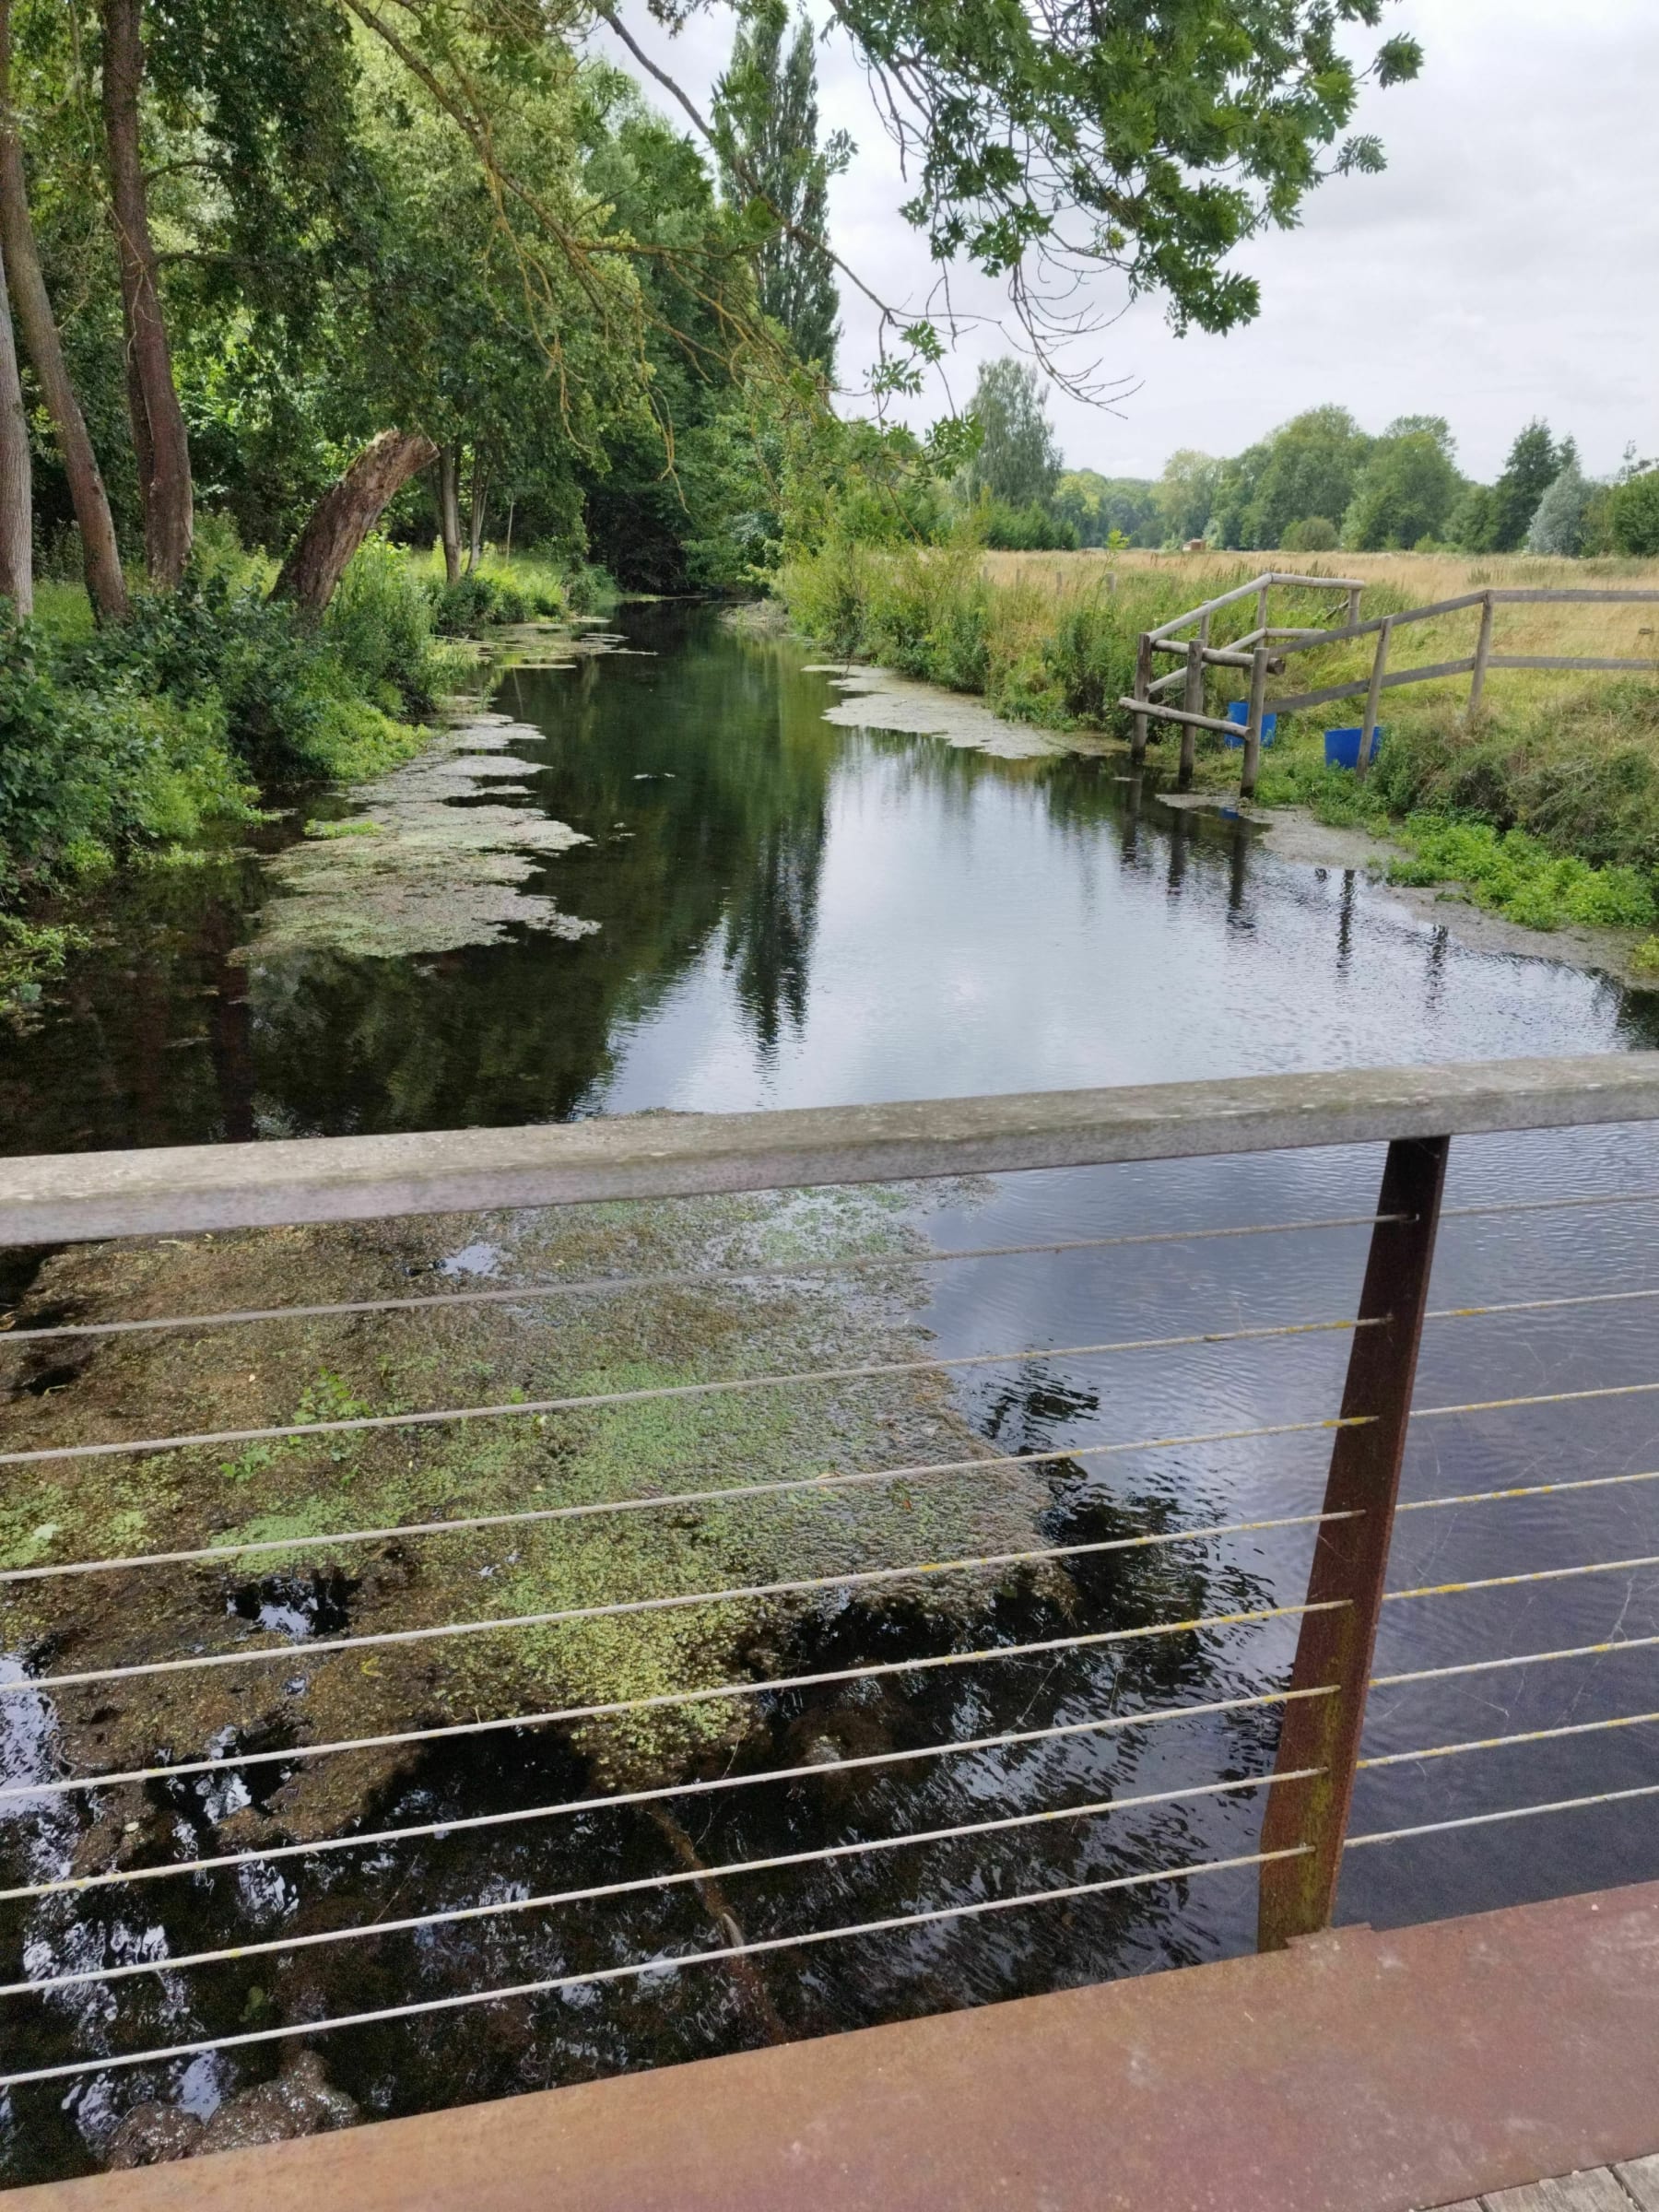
<point>1143,687</point>
<point>1483,654</point>
<point>1193,700</point>
<point>1350,1558</point>
<point>1373,697</point>
<point>1262,607</point>
<point>1252,734</point>
<point>1353,607</point>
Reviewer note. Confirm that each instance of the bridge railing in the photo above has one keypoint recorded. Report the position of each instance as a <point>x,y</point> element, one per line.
<point>168,1712</point>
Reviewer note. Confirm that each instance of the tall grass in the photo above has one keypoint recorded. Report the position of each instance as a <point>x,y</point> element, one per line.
<point>1044,644</point>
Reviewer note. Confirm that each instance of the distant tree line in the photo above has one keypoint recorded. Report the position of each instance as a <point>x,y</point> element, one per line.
<point>1317,484</point>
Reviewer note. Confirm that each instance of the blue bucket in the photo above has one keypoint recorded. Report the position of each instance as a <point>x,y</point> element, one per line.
<point>1238,710</point>
<point>1342,746</point>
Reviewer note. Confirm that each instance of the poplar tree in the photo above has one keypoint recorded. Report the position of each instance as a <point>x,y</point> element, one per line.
<point>767,139</point>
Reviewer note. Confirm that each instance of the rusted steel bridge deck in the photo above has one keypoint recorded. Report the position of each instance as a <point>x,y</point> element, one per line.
<point>1356,2072</point>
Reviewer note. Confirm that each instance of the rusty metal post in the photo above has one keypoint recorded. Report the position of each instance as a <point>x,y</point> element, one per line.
<point>1193,700</point>
<point>1252,734</point>
<point>1350,1559</point>
<point>1143,687</point>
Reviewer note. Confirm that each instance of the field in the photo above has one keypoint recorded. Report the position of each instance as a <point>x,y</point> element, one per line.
<point>1392,581</point>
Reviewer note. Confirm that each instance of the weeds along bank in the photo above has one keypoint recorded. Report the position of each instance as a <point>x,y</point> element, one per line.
<point>146,741</point>
<point>1546,808</point>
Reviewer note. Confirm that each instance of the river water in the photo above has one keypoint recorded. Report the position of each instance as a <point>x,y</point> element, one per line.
<point>792,912</point>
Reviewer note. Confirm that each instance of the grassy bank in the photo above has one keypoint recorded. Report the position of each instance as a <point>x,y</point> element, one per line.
<point>143,744</point>
<point>1547,809</point>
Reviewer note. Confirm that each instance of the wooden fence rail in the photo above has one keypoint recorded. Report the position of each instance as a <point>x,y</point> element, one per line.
<point>1265,649</point>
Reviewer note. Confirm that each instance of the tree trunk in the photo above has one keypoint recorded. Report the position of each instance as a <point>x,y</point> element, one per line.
<point>346,514</point>
<point>17,488</point>
<point>159,438</point>
<point>106,586</point>
<point>449,510</point>
<point>480,484</point>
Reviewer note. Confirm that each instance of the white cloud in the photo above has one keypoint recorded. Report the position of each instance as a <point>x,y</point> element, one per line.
<point>1507,264</point>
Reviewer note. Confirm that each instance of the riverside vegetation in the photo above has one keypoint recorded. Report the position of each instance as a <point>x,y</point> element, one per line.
<point>1545,809</point>
<point>153,742</point>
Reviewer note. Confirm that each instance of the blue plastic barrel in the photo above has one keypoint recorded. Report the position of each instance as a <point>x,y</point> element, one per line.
<point>1238,710</point>
<point>1342,746</point>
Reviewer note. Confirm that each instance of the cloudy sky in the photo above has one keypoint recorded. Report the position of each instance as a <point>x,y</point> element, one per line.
<point>1506,265</point>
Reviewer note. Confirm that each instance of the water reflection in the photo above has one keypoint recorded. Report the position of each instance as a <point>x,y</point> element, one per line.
<point>792,912</point>
<point>789,912</point>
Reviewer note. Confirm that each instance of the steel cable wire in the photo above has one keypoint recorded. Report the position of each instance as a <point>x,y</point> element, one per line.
<point>687,1279</point>
<point>1514,1812</point>
<point>622,1608</point>
<point>232,1762</point>
<point>825,1855</point>
<point>1506,1742</point>
<point>63,1885</point>
<point>865,1370</point>
<point>735,1492</point>
<point>977,1909</point>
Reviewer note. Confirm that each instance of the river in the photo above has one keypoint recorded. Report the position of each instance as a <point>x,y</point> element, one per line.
<point>792,912</point>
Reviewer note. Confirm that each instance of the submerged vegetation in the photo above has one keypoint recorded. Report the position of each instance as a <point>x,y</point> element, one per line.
<point>293,1492</point>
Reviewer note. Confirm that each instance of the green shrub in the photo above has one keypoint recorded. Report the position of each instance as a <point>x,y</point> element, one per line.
<point>380,625</point>
<point>463,609</point>
<point>1634,516</point>
<point>1313,534</point>
<point>90,766</point>
<point>30,955</point>
<point>1515,876</point>
<point>1028,529</point>
<point>589,590</point>
<point>483,598</point>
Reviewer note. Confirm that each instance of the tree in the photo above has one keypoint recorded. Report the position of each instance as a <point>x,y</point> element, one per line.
<point>347,514</point>
<point>1534,463</point>
<point>17,476</point>
<point>1153,144</point>
<point>1406,490</point>
<point>1101,508</point>
<point>1472,525</point>
<point>1018,460</point>
<point>1311,468</point>
<point>1315,534</point>
<point>767,137</point>
<point>106,586</point>
<point>1186,494</point>
<point>160,439</point>
<point>1558,526</point>
<point>1633,519</point>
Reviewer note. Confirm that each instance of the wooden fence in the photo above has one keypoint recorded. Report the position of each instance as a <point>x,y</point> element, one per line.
<point>1266,651</point>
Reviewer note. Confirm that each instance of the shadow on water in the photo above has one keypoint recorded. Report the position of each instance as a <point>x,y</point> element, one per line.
<point>790,912</point>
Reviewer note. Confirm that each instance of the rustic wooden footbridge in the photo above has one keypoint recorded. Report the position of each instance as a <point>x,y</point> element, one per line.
<point>1336,2070</point>
<point>1266,651</point>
